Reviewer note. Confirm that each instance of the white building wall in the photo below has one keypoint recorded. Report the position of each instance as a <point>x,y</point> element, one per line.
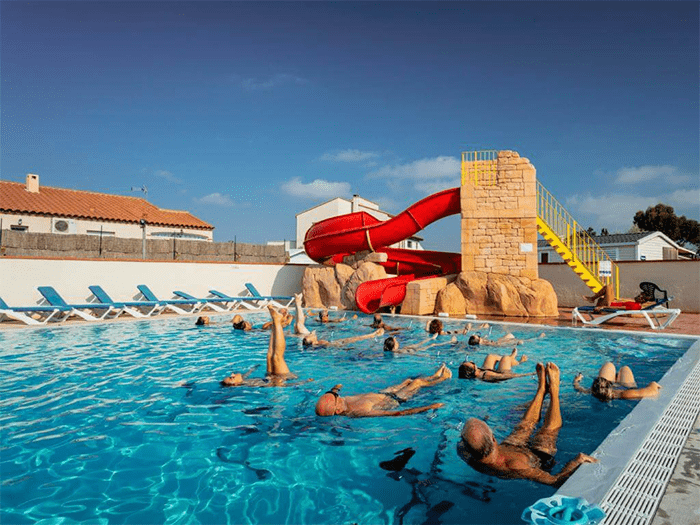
<point>43,224</point>
<point>652,249</point>
<point>120,278</point>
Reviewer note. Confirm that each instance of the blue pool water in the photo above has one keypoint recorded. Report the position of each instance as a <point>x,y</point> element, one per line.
<point>127,423</point>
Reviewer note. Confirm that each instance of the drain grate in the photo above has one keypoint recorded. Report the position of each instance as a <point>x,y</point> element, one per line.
<point>636,494</point>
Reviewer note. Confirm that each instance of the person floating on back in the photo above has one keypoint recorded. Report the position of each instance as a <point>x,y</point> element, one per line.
<point>520,455</point>
<point>381,403</point>
<point>609,385</point>
<point>313,340</point>
<point>495,368</point>
<point>277,370</point>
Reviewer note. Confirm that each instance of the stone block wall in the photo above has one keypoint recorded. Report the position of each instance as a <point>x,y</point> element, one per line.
<point>499,220</point>
<point>422,294</point>
<point>25,244</point>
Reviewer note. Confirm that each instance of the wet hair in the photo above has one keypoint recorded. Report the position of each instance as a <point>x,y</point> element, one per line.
<point>465,371</point>
<point>322,314</point>
<point>306,342</point>
<point>603,389</point>
<point>240,325</point>
<point>389,344</point>
<point>435,326</point>
<point>482,448</point>
<point>474,340</point>
<point>377,323</point>
<point>201,321</point>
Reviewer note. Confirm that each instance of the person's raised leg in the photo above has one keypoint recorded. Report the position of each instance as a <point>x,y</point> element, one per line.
<point>607,371</point>
<point>412,386</point>
<point>545,440</point>
<point>277,365</point>
<point>625,377</point>
<point>490,362</point>
<point>299,326</point>
<point>521,433</point>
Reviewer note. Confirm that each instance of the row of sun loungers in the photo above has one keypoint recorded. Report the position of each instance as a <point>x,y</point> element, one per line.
<point>54,309</point>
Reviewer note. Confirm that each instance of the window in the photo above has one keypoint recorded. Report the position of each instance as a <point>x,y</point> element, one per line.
<point>18,227</point>
<point>545,258</point>
<point>178,235</point>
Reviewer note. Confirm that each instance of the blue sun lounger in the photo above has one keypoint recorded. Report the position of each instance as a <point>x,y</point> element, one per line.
<point>140,309</point>
<point>54,299</point>
<point>179,306</point>
<point>211,303</point>
<point>26,314</point>
<point>232,302</point>
<point>264,300</point>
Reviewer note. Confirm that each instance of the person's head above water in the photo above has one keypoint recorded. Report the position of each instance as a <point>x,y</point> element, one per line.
<point>474,340</point>
<point>467,370</point>
<point>201,321</point>
<point>435,326</point>
<point>240,324</point>
<point>330,403</point>
<point>323,316</point>
<point>377,321</point>
<point>310,339</point>
<point>391,344</point>
<point>233,380</point>
<point>477,439</point>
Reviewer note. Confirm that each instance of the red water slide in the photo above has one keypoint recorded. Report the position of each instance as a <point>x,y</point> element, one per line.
<point>332,239</point>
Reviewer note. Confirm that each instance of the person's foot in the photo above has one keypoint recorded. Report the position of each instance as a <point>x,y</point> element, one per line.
<point>553,378</point>
<point>274,314</point>
<point>514,353</point>
<point>539,370</point>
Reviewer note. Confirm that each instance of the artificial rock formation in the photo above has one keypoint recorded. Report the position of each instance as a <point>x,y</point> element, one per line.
<point>326,286</point>
<point>497,294</point>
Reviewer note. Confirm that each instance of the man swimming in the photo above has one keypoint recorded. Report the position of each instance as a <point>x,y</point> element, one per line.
<point>378,322</point>
<point>435,326</point>
<point>495,368</point>
<point>277,369</point>
<point>381,403</point>
<point>313,340</point>
<point>520,455</point>
<point>506,340</point>
<point>621,385</point>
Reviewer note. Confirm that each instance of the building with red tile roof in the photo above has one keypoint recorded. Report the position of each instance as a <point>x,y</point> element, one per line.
<point>42,209</point>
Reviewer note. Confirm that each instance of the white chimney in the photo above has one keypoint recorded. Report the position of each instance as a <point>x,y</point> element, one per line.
<point>32,183</point>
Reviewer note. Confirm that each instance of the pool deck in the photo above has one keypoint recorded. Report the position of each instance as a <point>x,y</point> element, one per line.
<point>679,503</point>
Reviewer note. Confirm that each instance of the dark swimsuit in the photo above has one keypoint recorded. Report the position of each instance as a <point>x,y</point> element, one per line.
<point>395,397</point>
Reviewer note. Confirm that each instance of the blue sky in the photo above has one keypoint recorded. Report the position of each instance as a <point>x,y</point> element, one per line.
<point>248,113</point>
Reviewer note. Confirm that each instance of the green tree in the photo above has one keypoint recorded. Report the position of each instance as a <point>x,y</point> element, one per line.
<point>662,218</point>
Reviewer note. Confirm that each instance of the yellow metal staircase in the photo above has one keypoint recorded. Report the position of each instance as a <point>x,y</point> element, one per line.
<point>578,249</point>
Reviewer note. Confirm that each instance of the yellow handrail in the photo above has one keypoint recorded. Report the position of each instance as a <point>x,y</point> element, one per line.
<point>582,246</point>
<point>480,167</point>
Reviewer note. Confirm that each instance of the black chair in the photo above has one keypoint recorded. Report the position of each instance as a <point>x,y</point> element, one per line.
<point>650,289</point>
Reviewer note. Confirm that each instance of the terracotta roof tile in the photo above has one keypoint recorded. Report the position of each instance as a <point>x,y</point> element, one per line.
<point>14,198</point>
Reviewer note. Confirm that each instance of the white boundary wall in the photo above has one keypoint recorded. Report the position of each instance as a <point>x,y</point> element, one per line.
<point>20,277</point>
<point>680,278</point>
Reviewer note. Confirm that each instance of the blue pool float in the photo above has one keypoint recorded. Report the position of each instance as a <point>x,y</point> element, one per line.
<point>563,510</point>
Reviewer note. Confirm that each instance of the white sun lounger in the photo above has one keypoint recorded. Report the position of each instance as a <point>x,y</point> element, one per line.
<point>33,315</point>
<point>658,316</point>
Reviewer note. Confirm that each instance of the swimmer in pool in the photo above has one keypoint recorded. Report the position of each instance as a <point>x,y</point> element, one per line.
<point>380,403</point>
<point>203,321</point>
<point>379,323</point>
<point>609,385</point>
<point>506,340</point>
<point>495,368</point>
<point>323,317</point>
<point>520,455</point>
<point>313,340</point>
<point>241,324</point>
<point>435,326</point>
<point>277,369</point>
<point>391,344</point>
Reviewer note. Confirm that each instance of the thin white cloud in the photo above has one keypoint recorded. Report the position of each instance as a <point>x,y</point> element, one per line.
<point>427,175</point>
<point>317,189</point>
<point>635,175</point>
<point>163,174</point>
<point>443,167</point>
<point>266,84</point>
<point>349,155</point>
<point>216,199</point>
<point>615,211</point>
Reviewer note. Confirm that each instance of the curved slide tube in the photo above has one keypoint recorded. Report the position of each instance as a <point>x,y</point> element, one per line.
<point>336,237</point>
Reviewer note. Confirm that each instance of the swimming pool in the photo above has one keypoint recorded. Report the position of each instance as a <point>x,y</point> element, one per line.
<point>126,422</point>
